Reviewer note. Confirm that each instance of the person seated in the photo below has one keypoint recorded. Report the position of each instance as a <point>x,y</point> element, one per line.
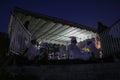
<point>32,51</point>
<point>44,51</point>
<point>93,50</point>
<point>62,51</point>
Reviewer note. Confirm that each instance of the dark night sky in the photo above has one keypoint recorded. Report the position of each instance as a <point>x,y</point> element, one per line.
<point>86,12</point>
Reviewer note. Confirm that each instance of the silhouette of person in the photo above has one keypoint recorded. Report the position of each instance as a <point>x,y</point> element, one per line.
<point>26,24</point>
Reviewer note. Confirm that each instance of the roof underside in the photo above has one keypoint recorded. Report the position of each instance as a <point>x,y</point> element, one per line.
<point>51,29</point>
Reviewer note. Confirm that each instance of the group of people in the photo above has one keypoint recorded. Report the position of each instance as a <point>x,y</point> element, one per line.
<point>44,50</point>
<point>84,50</point>
<point>74,50</point>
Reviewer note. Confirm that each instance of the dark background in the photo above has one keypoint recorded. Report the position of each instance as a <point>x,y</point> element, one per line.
<point>86,12</point>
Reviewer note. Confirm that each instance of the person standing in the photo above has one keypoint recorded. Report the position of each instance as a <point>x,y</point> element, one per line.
<point>74,51</point>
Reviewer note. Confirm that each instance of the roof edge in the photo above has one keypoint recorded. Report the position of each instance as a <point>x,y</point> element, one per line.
<point>58,20</point>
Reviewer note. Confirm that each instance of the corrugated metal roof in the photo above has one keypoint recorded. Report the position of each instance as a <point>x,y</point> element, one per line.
<point>51,29</point>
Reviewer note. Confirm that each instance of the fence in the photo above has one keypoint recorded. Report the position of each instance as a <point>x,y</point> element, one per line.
<point>110,40</point>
